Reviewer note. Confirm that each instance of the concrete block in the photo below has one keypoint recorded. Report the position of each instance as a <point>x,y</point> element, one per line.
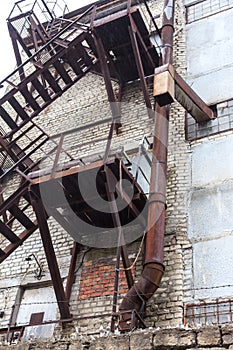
<point>210,211</point>
<point>173,337</point>
<point>213,87</point>
<point>213,267</point>
<point>111,343</point>
<point>143,338</point>
<point>216,38</point>
<point>209,336</point>
<point>227,334</point>
<point>210,77</point>
<point>212,162</point>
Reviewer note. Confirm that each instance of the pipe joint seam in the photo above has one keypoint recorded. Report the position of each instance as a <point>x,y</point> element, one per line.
<point>157,197</point>
<point>168,24</point>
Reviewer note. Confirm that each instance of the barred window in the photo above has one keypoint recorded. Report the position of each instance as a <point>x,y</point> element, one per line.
<point>204,8</point>
<point>223,122</point>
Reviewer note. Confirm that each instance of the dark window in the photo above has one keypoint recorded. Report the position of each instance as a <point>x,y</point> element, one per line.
<point>223,122</point>
<point>36,318</point>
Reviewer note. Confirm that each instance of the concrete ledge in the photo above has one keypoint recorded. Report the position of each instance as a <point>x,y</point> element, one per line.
<point>208,338</point>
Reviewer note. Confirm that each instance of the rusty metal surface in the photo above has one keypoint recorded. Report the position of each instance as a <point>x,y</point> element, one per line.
<point>98,217</point>
<point>37,72</point>
<point>208,312</point>
<point>141,73</point>
<point>71,273</point>
<point>154,252</point>
<point>62,300</point>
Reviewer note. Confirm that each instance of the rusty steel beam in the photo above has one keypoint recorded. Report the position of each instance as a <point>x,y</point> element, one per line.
<point>114,105</point>
<point>71,273</point>
<point>13,37</point>
<point>111,17</point>
<point>13,246</point>
<point>111,186</point>
<point>129,5</point>
<point>8,233</point>
<point>121,247</point>
<point>126,265</point>
<point>41,216</point>
<point>187,97</point>
<point>57,156</point>
<point>141,41</point>
<point>169,85</point>
<point>138,59</point>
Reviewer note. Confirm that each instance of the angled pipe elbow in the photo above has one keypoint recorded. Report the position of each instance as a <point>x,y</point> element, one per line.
<point>140,293</point>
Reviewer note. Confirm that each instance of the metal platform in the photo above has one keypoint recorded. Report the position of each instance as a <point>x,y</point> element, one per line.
<point>78,199</point>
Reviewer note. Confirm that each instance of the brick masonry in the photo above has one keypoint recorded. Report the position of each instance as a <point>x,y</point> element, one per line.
<point>83,103</point>
<point>97,279</point>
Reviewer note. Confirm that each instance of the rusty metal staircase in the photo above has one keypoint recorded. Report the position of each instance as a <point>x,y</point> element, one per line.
<point>41,79</point>
<point>57,61</point>
<point>71,50</point>
<point>31,88</point>
<point>15,218</point>
<point>36,83</point>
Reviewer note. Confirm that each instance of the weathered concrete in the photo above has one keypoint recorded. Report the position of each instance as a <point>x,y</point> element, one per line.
<point>212,262</point>
<point>227,335</point>
<point>145,339</point>
<point>208,338</point>
<point>212,162</point>
<point>211,211</point>
<point>210,77</point>
<point>172,338</point>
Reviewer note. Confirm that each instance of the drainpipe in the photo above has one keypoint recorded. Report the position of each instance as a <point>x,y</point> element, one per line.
<point>153,268</point>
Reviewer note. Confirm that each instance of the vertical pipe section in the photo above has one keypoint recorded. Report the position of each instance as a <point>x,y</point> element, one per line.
<point>154,252</point>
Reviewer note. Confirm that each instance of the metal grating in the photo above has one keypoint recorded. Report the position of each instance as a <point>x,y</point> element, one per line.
<point>223,122</point>
<point>205,8</point>
<point>206,313</point>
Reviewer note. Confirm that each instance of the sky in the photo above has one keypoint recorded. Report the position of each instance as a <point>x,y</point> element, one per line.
<point>7,57</point>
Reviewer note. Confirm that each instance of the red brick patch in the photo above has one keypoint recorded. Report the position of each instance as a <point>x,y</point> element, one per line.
<point>97,279</point>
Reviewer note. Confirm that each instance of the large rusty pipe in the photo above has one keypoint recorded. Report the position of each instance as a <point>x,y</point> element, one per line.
<point>154,251</point>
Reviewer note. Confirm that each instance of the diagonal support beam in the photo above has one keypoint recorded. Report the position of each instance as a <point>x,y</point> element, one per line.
<point>71,274</point>
<point>114,104</point>
<point>169,85</point>
<point>141,42</point>
<point>138,59</point>
<point>111,186</point>
<point>41,216</point>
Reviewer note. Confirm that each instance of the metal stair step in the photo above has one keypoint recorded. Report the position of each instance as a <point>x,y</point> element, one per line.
<point>41,90</point>
<point>52,81</point>
<point>8,120</point>
<point>13,246</point>
<point>8,233</point>
<point>74,65</point>
<point>63,73</point>
<point>30,100</point>
<point>87,59</point>
<point>1,253</point>
<point>20,216</point>
<point>18,108</point>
